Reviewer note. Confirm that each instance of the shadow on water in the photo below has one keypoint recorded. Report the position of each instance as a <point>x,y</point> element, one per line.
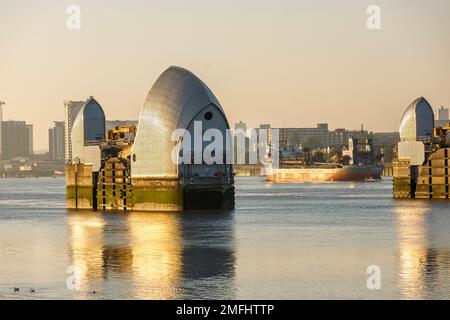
<point>153,255</point>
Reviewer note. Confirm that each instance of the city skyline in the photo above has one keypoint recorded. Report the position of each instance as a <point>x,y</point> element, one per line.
<point>441,118</point>
<point>291,64</point>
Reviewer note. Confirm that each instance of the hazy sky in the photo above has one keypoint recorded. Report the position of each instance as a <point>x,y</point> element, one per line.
<point>292,63</point>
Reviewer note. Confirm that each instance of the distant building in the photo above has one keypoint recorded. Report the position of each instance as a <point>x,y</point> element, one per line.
<point>111,124</point>
<point>17,139</point>
<point>322,137</point>
<point>341,136</point>
<point>306,137</point>
<point>386,138</point>
<point>30,139</point>
<point>240,126</point>
<point>265,128</point>
<point>56,141</point>
<point>240,143</point>
<point>443,117</point>
<point>1,119</point>
<point>443,113</point>
<point>71,109</point>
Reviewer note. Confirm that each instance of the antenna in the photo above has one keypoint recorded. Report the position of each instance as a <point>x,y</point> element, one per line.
<point>2,103</point>
<point>284,138</point>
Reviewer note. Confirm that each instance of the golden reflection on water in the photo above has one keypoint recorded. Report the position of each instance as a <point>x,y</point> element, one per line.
<point>144,247</point>
<point>86,242</point>
<point>412,243</point>
<point>155,241</point>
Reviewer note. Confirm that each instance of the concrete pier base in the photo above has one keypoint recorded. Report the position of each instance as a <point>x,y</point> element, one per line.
<point>157,194</point>
<point>80,186</point>
<point>402,179</point>
<point>433,179</point>
<point>429,181</point>
<point>113,189</point>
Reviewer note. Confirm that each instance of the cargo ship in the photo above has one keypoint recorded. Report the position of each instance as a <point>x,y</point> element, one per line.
<point>358,164</point>
<point>325,173</point>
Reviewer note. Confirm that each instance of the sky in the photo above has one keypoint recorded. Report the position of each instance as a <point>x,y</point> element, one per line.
<point>290,63</point>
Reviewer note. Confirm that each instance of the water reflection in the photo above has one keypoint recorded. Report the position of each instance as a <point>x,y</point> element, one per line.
<point>155,242</point>
<point>153,255</point>
<point>208,256</point>
<point>412,238</point>
<point>423,249</point>
<point>86,241</point>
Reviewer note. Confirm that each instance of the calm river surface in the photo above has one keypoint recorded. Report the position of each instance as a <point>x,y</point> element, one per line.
<point>285,241</point>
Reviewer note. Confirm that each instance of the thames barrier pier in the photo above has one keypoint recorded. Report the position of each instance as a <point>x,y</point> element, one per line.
<point>421,165</point>
<point>134,167</point>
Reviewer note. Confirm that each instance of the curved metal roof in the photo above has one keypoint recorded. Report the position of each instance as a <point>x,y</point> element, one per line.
<point>88,128</point>
<point>417,120</point>
<point>173,101</point>
<point>89,124</point>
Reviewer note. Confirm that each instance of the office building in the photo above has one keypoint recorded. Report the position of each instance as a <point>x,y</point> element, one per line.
<point>56,141</point>
<point>30,139</point>
<point>443,117</point>
<point>1,119</point>
<point>443,113</point>
<point>71,109</point>
<point>17,139</point>
<point>240,126</point>
<point>267,131</point>
<point>306,137</point>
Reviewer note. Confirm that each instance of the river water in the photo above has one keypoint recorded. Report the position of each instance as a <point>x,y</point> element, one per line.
<point>284,241</point>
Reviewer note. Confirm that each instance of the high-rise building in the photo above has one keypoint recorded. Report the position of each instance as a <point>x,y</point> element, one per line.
<point>16,139</point>
<point>1,119</point>
<point>71,109</point>
<point>265,128</point>
<point>443,117</point>
<point>306,137</point>
<point>56,141</point>
<point>240,143</point>
<point>443,113</point>
<point>30,139</point>
<point>240,126</point>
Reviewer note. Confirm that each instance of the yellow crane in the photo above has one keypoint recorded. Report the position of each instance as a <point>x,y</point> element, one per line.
<point>119,132</point>
<point>441,133</point>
